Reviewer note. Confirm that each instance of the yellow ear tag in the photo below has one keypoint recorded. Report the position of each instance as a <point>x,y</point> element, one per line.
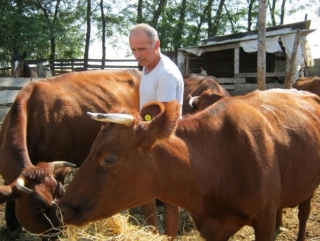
<point>147,117</point>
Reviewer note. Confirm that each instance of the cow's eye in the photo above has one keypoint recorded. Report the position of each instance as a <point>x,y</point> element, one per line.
<point>38,207</point>
<point>110,159</point>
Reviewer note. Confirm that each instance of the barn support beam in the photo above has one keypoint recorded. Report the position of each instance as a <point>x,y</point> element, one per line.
<point>261,65</point>
<point>292,64</point>
<point>186,70</point>
<point>236,61</point>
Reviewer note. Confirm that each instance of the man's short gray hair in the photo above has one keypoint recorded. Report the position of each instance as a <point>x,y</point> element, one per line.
<point>150,31</point>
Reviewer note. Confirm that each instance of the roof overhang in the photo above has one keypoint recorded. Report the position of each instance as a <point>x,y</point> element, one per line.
<point>233,41</point>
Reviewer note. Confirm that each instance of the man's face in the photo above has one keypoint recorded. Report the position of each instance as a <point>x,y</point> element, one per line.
<point>142,48</point>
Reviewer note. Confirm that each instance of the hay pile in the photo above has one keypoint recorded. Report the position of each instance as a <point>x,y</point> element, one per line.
<point>131,227</point>
<point>117,228</point>
<point>114,228</point>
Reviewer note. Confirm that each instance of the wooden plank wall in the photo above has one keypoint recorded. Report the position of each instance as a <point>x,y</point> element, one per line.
<point>315,70</point>
<point>9,88</point>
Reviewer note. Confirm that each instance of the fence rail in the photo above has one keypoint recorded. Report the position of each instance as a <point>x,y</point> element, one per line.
<point>9,88</point>
<point>66,65</point>
<point>61,66</point>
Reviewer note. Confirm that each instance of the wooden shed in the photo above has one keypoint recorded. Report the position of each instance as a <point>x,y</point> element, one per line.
<point>233,58</point>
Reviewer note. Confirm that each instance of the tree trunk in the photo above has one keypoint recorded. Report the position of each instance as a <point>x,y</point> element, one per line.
<point>250,8</point>
<point>103,36</point>
<point>52,54</point>
<point>272,8</point>
<point>206,10</point>
<point>86,51</point>
<point>210,25</point>
<point>230,19</point>
<point>53,39</point>
<point>139,12</point>
<point>17,24</point>
<point>217,18</point>
<point>159,10</point>
<point>283,6</point>
<point>180,27</point>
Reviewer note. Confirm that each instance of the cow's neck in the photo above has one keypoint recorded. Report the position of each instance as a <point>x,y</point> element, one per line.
<point>14,157</point>
<point>175,179</point>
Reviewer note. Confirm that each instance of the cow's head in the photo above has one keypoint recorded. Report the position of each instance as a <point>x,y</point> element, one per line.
<point>208,97</point>
<point>36,192</point>
<point>120,171</point>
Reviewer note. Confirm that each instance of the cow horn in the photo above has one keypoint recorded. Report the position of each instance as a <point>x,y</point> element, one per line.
<point>192,100</point>
<point>20,186</point>
<point>118,118</point>
<point>59,164</point>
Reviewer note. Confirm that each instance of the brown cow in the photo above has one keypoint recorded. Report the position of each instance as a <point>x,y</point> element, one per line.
<point>47,122</point>
<point>311,84</point>
<point>233,164</point>
<point>206,98</point>
<point>59,103</point>
<point>194,85</point>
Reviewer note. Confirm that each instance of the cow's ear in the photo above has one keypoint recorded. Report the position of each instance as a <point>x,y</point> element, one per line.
<point>162,124</point>
<point>150,110</point>
<point>214,96</point>
<point>61,173</point>
<point>7,193</point>
<point>165,123</point>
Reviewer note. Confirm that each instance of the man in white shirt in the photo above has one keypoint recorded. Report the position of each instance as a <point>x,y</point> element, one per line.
<point>161,78</point>
<point>161,81</point>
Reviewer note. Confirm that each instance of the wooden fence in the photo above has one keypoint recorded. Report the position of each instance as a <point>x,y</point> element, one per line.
<point>61,66</point>
<point>9,88</point>
<point>67,65</point>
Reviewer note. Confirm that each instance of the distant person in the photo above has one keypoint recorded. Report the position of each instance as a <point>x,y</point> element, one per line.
<point>203,71</point>
<point>161,78</point>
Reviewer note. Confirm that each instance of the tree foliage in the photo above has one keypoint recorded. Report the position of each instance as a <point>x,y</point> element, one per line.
<point>58,28</point>
<point>36,25</point>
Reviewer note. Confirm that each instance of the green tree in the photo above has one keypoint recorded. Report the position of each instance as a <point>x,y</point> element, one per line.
<point>43,28</point>
<point>62,28</point>
<point>113,21</point>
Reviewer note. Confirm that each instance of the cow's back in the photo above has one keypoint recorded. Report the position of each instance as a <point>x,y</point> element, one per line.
<point>48,121</point>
